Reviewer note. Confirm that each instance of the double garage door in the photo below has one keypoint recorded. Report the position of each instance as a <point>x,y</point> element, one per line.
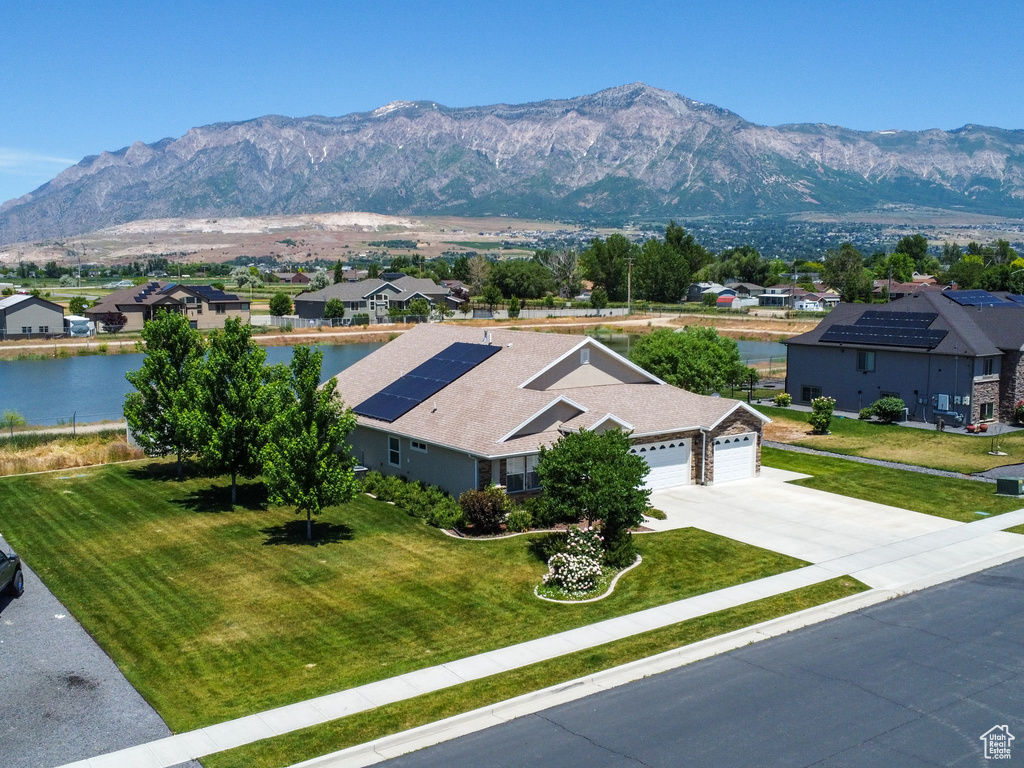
<point>670,461</point>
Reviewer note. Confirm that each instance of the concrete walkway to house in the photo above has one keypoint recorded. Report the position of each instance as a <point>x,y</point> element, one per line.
<point>882,546</point>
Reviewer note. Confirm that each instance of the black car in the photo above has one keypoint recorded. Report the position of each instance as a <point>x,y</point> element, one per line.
<point>12,580</point>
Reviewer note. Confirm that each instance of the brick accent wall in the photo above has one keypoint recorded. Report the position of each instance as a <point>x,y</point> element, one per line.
<point>1011,384</point>
<point>985,392</point>
<point>483,478</point>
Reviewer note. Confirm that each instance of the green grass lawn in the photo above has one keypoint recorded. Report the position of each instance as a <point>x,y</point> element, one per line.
<point>923,447</point>
<point>933,495</point>
<point>214,614</point>
<point>394,718</point>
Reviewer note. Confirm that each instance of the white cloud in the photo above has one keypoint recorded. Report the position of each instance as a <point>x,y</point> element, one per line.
<point>26,163</point>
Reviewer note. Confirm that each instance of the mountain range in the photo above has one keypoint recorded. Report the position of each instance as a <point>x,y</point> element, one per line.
<point>627,153</point>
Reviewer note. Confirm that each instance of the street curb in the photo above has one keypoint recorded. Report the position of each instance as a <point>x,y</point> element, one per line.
<point>480,719</point>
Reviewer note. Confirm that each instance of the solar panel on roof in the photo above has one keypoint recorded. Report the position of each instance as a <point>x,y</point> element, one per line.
<point>897,319</point>
<point>427,379</point>
<point>890,337</point>
<point>1015,297</point>
<point>975,299</point>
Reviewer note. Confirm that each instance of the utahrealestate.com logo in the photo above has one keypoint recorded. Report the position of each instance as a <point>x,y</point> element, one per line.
<point>997,742</point>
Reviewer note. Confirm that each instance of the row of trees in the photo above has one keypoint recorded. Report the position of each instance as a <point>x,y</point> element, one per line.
<point>218,401</point>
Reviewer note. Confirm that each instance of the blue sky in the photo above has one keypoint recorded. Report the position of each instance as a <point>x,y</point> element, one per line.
<point>80,78</point>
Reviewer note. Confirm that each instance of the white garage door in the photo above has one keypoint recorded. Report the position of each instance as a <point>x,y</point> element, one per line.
<point>734,457</point>
<point>669,462</point>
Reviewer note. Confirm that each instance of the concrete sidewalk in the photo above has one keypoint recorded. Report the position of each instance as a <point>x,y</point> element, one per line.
<point>947,551</point>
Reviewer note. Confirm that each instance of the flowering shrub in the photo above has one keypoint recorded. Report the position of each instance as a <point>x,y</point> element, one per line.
<point>1018,411</point>
<point>576,570</point>
<point>783,400</point>
<point>821,414</point>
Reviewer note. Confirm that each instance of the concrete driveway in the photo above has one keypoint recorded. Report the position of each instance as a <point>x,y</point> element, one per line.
<point>883,546</point>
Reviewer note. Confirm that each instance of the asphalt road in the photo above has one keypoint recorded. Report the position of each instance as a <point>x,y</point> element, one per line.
<point>912,682</point>
<point>63,699</point>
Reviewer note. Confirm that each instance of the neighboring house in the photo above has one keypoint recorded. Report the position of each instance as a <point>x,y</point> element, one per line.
<point>941,352</point>
<point>896,290</point>
<point>295,278</point>
<point>746,290</point>
<point>24,316</point>
<point>203,305</point>
<point>696,291</point>
<point>461,408</point>
<point>817,302</point>
<point>374,297</point>
<point>351,275</point>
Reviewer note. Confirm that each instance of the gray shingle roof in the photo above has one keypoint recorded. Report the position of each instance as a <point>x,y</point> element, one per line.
<point>476,411</point>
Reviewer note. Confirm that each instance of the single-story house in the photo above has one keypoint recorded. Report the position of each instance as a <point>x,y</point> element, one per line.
<point>24,316</point>
<point>746,290</point>
<point>203,305</point>
<point>462,408</point>
<point>941,352</point>
<point>696,291</point>
<point>295,278</point>
<point>818,302</point>
<point>374,296</point>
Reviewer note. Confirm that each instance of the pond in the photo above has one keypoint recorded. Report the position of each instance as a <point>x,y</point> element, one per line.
<point>48,392</point>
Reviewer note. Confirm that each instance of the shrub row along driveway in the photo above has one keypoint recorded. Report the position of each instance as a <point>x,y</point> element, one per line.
<point>66,700</point>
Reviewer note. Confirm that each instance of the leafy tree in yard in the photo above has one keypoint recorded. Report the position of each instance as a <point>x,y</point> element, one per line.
<point>460,269</point>
<point>66,281</point>
<point>237,402</point>
<point>244,277</point>
<point>593,477</point>
<point>899,265</point>
<point>598,299</point>
<point>165,413</point>
<point>843,270</point>
<point>660,273</point>
<point>280,304</point>
<point>339,272</point>
<point>334,308</point>
<point>513,307</point>
<point>306,462</point>
<point>683,243</point>
<point>492,296</point>
<point>319,281</point>
<point>914,246</point>
<point>697,359</point>
<point>967,273</point>
<point>77,305</point>
<point>419,308</point>
<point>479,271</point>
<point>113,321</point>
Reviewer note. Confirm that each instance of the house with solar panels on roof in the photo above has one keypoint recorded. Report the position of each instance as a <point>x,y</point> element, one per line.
<point>203,305</point>
<point>958,355</point>
<point>462,408</point>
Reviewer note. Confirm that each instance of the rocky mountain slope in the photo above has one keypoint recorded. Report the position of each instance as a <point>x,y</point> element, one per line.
<point>627,152</point>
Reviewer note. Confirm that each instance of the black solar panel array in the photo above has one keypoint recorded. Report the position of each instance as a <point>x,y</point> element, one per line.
<point>213,294</point>
<point>425,380</point>
<point>976,299</point>
<point>890,329</point>
<point>1016,298</point>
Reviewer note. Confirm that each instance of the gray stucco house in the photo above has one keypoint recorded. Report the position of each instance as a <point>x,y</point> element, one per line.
<point>941,352</point>
<point>461,408</point>
<point>23,316</point>
<point>374,296</point>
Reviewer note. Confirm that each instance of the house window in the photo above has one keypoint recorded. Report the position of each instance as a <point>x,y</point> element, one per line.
<point>44,329</point>
<point>809,393</point>
<point>26,329</point>
<point>244,306</point>
<point>865,360</point>
<point>220,309</point>
<point>521,474</point>
<point>190,299</point>
<point>394,451</point>
<point>988,411</point>
<point>988,366</point>
<point>584,357</point>
<point>417,445</point>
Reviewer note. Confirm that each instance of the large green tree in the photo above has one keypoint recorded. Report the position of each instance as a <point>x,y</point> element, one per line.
<point>307,463</point>
<point>916,247</point>
<point>525,278</point>
<point>696,359</point>
<point>843,270</point>
<point>165,413</point>
<point>683,243</point>
<point>606,263</point>
<point>237,403</point>
<point>593,477</point>
<point>660,273</point>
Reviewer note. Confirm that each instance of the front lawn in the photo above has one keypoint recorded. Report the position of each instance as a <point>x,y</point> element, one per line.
<point>931,494</point>
<point>907,445</point>
<point>214,614</point>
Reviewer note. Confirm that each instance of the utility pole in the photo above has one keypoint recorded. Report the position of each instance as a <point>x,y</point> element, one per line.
<point>629,287</point>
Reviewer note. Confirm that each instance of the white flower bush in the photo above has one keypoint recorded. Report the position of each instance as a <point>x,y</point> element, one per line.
<point>577,570</point>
